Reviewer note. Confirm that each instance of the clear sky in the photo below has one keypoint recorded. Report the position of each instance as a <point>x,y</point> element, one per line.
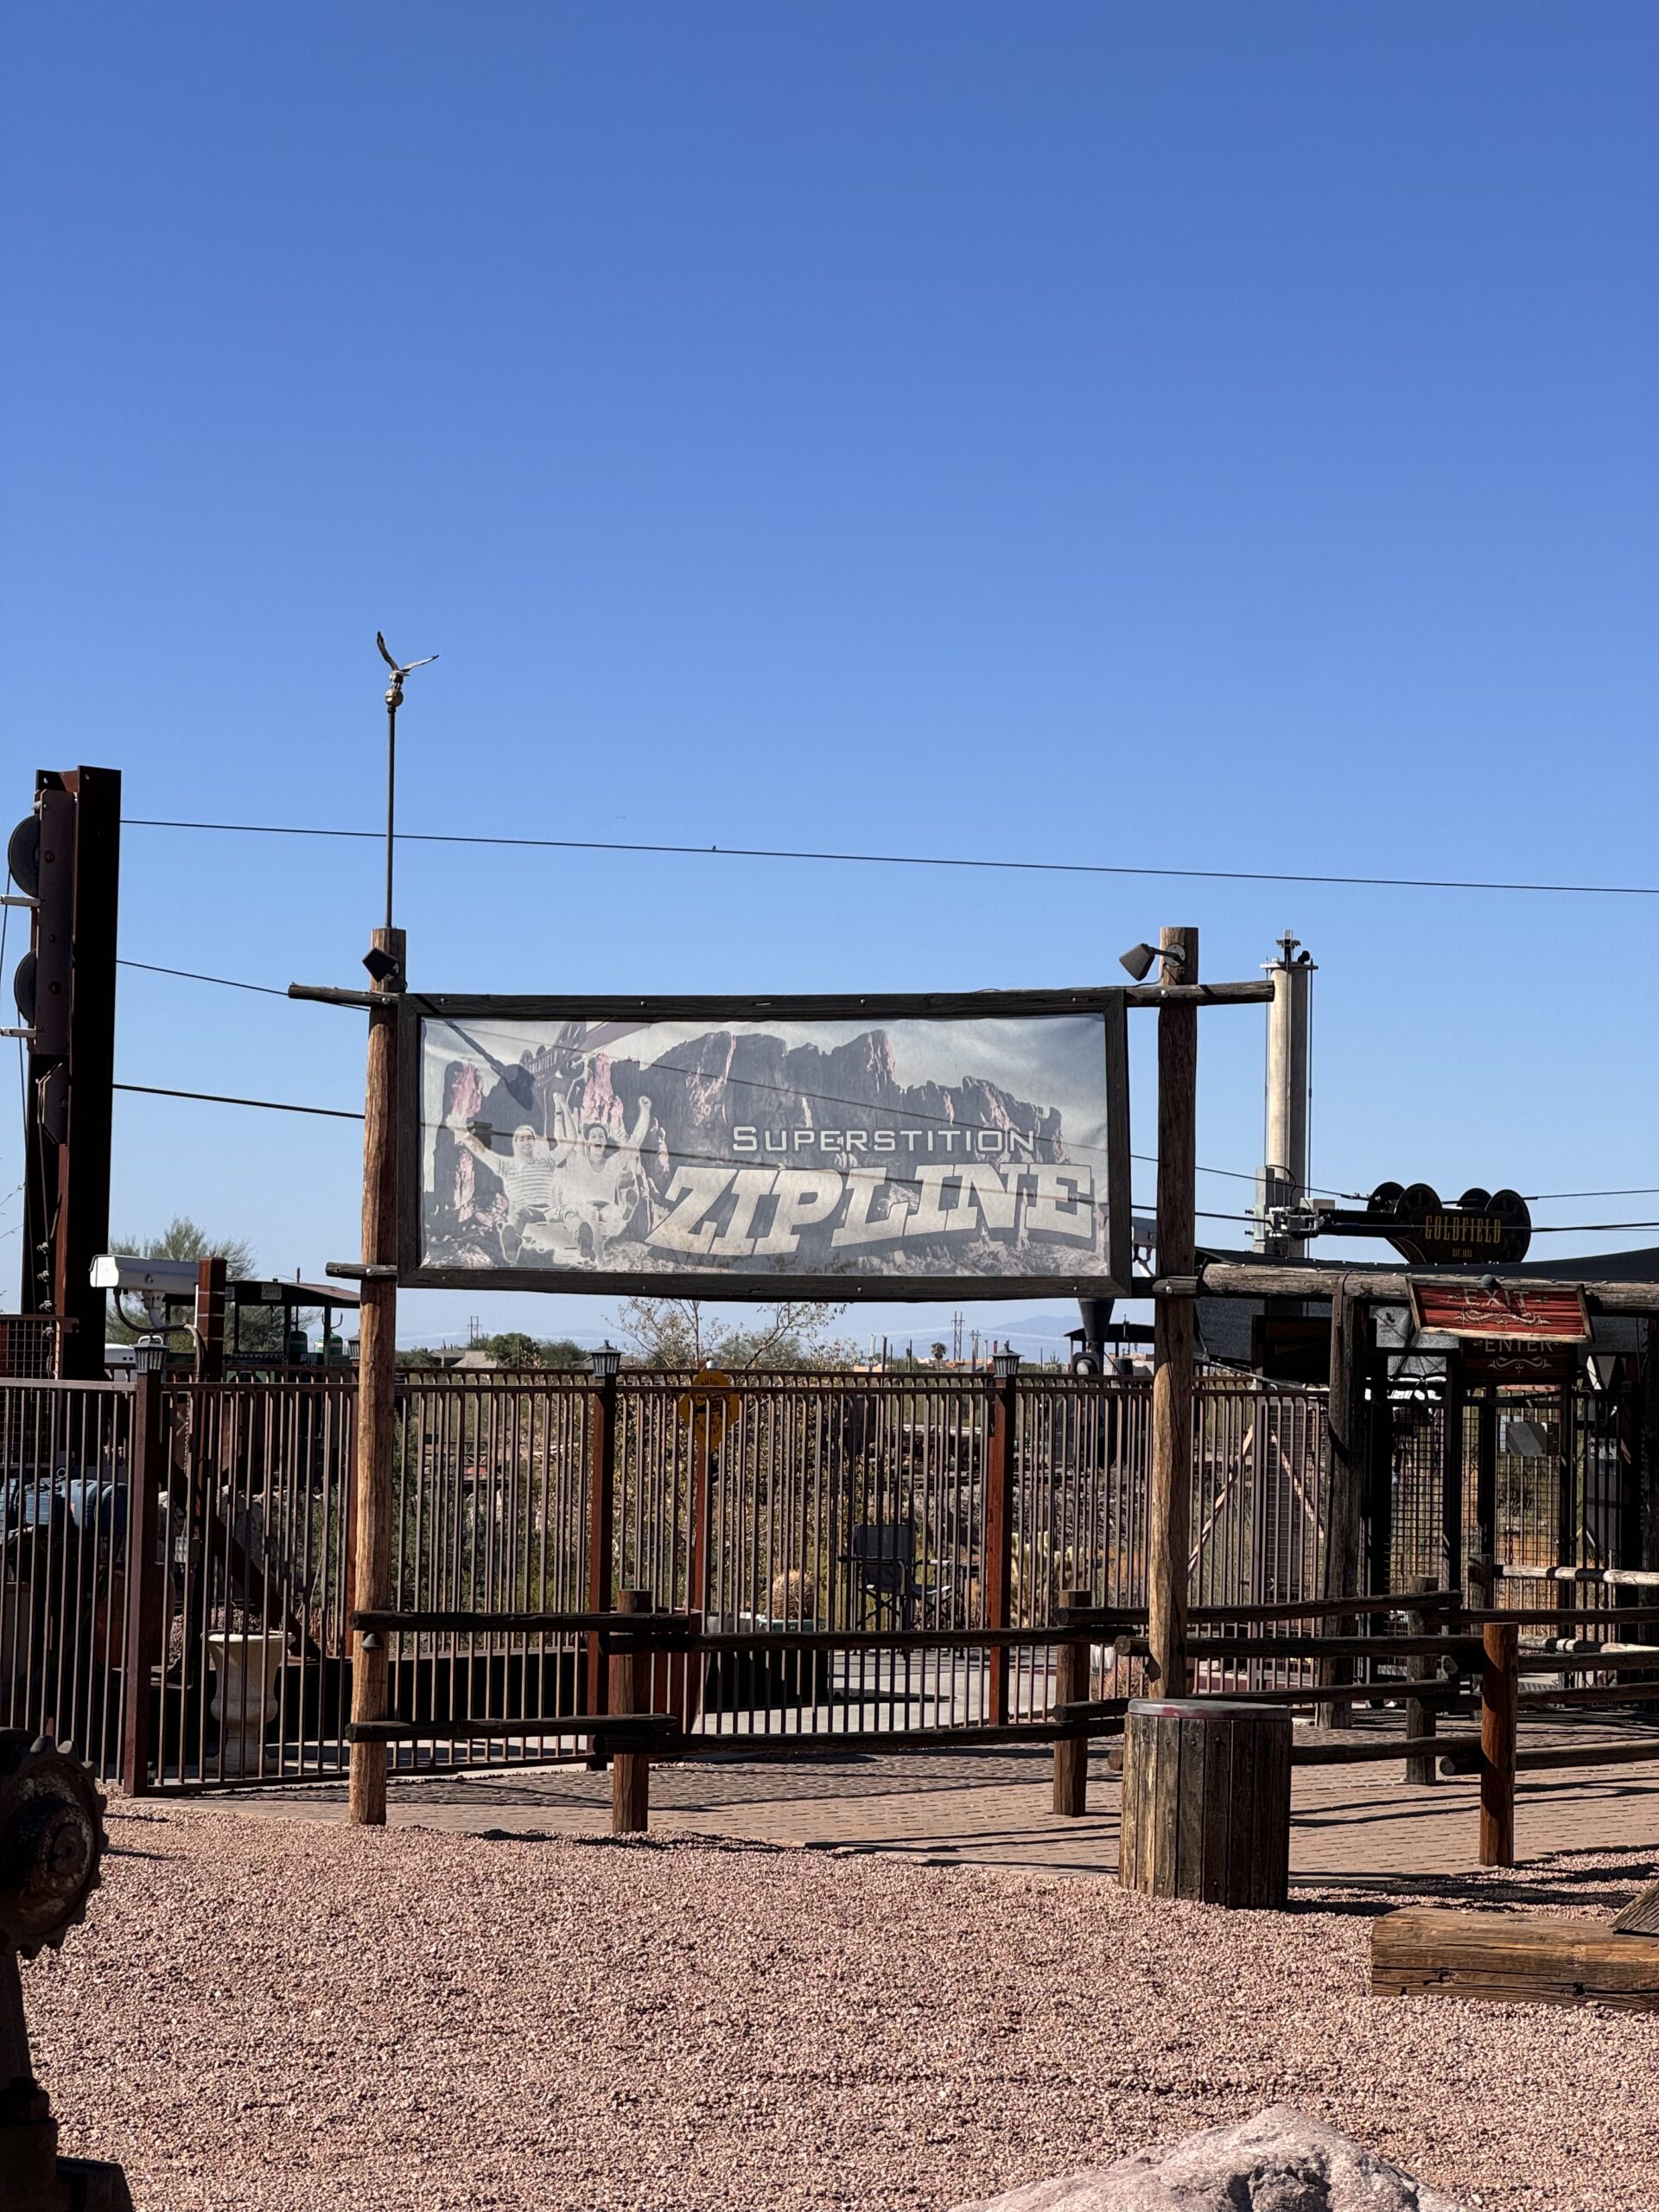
<point>1169,436</point>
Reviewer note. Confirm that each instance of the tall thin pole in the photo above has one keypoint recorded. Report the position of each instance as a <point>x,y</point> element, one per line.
<point>394,699</point>
<point>376,1361</point>
<point>1173,1331</point>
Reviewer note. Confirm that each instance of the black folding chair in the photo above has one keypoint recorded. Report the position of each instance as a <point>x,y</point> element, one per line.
<point>882,1555</point>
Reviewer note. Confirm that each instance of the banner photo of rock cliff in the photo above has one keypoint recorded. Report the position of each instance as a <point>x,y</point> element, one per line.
<point>771,1150</point>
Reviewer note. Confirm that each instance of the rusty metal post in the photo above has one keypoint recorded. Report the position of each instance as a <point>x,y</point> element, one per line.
<point>601,1522</point>
<point>999,1534</point>
<point>1175,1322</point>
<point>210,1320</point>
<point>1420,1667</point>
<point>146,1474</point>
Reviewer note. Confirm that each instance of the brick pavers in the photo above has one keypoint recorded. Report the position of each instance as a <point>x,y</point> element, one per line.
<point>1356,1824</point>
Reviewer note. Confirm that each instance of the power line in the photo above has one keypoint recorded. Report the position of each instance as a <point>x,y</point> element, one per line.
<point>219,1098</point>
<point>341,1113</point>
<point>1237,1175</point>
<point>1149,1159</point>
<point>920,860</point>
<point>1630,1191</point>
<point>192,976</point>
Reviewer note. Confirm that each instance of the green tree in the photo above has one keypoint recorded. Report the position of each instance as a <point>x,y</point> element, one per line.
<point>514,1348</point>
<point>685,1332</point>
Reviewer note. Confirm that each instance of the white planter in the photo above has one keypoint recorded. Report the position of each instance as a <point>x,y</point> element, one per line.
<point>245,1699</point>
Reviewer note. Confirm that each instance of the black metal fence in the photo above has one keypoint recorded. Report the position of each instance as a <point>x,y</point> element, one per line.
<point>187,1627</point>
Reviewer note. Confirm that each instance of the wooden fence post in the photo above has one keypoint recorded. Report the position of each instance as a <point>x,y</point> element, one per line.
<point>146,1473</point>
<point>630,1693</point>
<point>1499,1684</point>
<point>1174,1321</point>
<point>601,1523</point>
<point>1071,1687</point>
<point>376,1381</point>
<point>1420,1667</point>
<point>999,1534</point>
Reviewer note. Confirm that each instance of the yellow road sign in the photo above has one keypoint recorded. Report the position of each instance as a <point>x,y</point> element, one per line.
<point>707,1405</point>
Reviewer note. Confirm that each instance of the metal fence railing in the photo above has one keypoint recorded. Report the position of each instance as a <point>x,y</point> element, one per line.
<point>188,1628</point>
<point>64,1450</point>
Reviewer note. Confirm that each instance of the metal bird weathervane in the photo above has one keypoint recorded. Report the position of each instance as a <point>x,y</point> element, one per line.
<point>394,699</point>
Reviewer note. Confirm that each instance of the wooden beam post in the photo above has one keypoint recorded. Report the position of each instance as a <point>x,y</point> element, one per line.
<point>1499,1685</point>
<point>1071,1687</point>
<point>1173,1318</point>
<point>146,1474</point>
<point>630,1693</point>
<point>377,1379</point>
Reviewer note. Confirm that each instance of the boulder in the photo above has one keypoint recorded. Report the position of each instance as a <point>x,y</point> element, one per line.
<point>1279,2161</point>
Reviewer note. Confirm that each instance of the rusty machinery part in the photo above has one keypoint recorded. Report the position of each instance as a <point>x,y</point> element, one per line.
<point>52,1840</point>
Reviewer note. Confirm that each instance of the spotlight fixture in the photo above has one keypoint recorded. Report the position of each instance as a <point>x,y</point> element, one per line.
<point>1139,958</point>
<point>381,965</point>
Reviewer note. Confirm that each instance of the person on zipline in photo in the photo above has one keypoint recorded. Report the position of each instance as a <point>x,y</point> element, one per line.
<point>529,1173</point>
<point>600,1182</point>
<point>564,1195</point>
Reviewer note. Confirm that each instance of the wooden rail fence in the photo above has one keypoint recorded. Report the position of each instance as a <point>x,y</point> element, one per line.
<point>1471,1650</point>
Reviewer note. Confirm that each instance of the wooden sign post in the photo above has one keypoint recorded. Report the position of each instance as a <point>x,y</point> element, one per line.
<point>376,1384</point>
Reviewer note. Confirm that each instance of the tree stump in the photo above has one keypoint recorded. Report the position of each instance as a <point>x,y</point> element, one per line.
<point>1206,1801</point>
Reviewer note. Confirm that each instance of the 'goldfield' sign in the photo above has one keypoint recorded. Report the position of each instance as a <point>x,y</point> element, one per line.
<point>916,1147</point>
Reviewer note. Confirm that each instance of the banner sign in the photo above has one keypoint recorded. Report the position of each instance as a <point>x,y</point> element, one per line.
<point>973,1147</point>
<point>1552,1314</point>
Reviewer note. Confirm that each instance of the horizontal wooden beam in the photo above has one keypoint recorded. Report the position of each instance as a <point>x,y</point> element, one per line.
<point>1389,1747</point>
<point>1236,1279</point>
<point>1199,993</point>
<point>1503,1958</point>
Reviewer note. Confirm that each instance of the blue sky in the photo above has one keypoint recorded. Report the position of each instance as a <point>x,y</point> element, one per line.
<point>1177,435</point>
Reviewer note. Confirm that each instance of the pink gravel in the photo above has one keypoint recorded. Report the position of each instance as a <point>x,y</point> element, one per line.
<point>268,2014</point>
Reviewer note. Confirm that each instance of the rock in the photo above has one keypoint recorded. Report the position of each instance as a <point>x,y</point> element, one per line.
<point>1279,2161</point>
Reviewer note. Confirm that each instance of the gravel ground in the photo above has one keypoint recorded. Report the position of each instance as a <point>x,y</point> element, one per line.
<point>264,2014</point>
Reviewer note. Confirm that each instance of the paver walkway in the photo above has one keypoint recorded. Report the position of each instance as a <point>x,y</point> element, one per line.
<point>1355,1824</point>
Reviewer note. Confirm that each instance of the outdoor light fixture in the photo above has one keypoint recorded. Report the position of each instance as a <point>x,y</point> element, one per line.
<point>604,1362</point>
<point>381,965</point>
<point>1005,1364</point>
<point>149,1356</point>
<point>1139,958</point>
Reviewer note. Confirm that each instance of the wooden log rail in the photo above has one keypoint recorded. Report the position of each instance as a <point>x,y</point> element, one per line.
<point>630,1738</point>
